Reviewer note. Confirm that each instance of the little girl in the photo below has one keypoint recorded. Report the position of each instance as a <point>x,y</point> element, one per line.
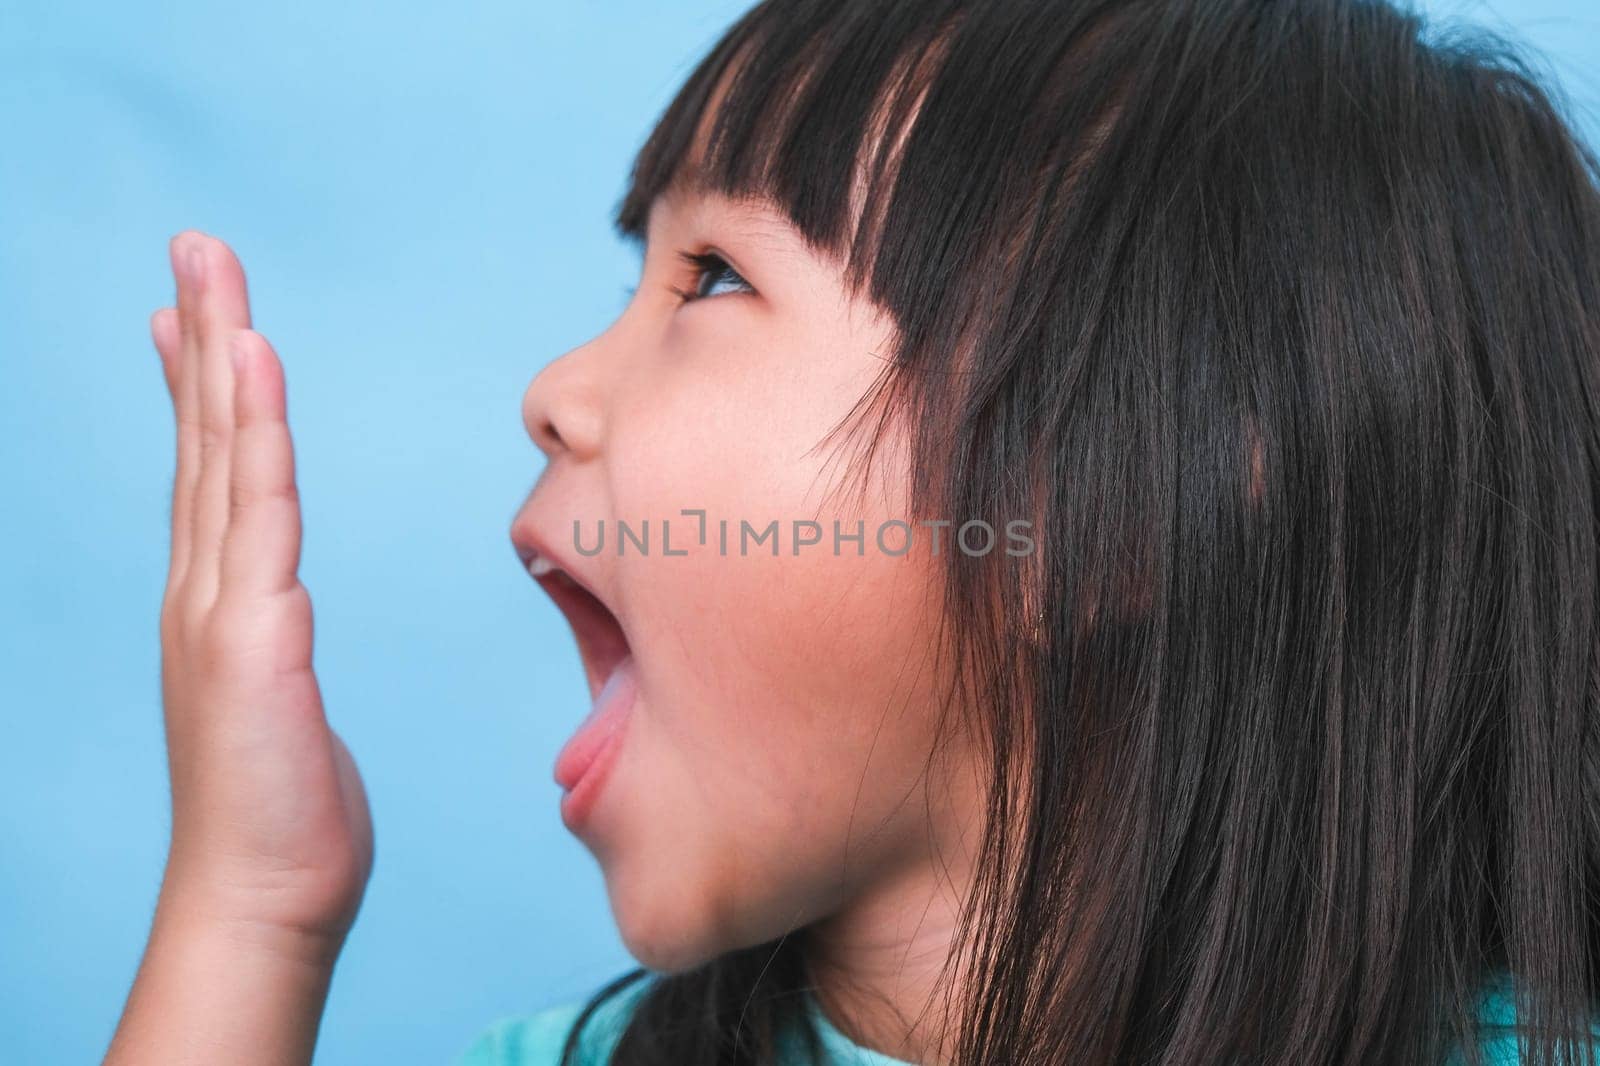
<point>1085,546</point>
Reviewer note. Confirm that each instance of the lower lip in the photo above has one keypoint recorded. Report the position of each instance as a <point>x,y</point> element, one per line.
<point>585,761</point>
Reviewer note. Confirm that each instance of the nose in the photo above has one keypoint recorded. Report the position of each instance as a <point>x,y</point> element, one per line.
<point>562,409</point>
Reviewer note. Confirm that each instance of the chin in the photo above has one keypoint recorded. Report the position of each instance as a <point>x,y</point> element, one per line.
<point>662,923</point>
<point>670,923</point>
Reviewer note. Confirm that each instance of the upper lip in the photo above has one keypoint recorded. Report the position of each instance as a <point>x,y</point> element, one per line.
<point>596,639</point>
<point>530,545</point>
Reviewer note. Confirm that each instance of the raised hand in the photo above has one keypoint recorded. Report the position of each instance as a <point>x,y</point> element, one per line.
<point>271,834</point>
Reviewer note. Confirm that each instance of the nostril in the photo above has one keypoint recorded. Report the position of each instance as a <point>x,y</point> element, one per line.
<point>549,436</point>
<point>562,409</point>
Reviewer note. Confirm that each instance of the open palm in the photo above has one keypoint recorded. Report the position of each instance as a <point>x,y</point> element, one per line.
<point>270,822</point>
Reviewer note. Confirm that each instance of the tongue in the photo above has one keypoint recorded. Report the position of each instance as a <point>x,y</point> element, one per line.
<point>611,706</point>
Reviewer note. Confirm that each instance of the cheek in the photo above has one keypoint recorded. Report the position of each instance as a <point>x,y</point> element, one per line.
<point>778,678</point>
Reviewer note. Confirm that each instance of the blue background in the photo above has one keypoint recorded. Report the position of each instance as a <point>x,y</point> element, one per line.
<point>421,195</point>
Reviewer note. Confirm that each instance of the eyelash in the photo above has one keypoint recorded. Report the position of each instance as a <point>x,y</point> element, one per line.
<point>704,263</point>
<point>701,262</point>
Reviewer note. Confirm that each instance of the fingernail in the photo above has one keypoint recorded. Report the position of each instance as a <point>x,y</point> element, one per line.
<point>195,260</point>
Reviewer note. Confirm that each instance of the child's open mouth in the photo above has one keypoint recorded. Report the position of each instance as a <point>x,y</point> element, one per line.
<point>609,668</point>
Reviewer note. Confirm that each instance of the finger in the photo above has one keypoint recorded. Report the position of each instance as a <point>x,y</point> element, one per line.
<point>225,303</point>
<point>164,332</point>
<point>261,552</point>
<point>186,411</point>
<point>221,309</point>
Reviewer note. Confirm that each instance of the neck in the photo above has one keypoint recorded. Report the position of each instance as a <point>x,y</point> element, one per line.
<point>878,965</point>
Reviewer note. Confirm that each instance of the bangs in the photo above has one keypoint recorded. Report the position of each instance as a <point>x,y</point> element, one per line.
<point>820,109</point>
<point>790,110</point>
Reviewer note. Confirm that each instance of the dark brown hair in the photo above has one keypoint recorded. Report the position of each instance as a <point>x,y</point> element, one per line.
<point>1284,317</point>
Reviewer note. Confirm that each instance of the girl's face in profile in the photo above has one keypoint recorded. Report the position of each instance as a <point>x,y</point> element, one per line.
<point>775,763</point>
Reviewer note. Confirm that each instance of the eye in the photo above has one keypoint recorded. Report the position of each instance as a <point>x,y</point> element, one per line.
<point>709,266</point>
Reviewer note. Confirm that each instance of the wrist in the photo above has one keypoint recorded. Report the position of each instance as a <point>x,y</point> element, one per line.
<point>216,986</point>
<point>194,915</point>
